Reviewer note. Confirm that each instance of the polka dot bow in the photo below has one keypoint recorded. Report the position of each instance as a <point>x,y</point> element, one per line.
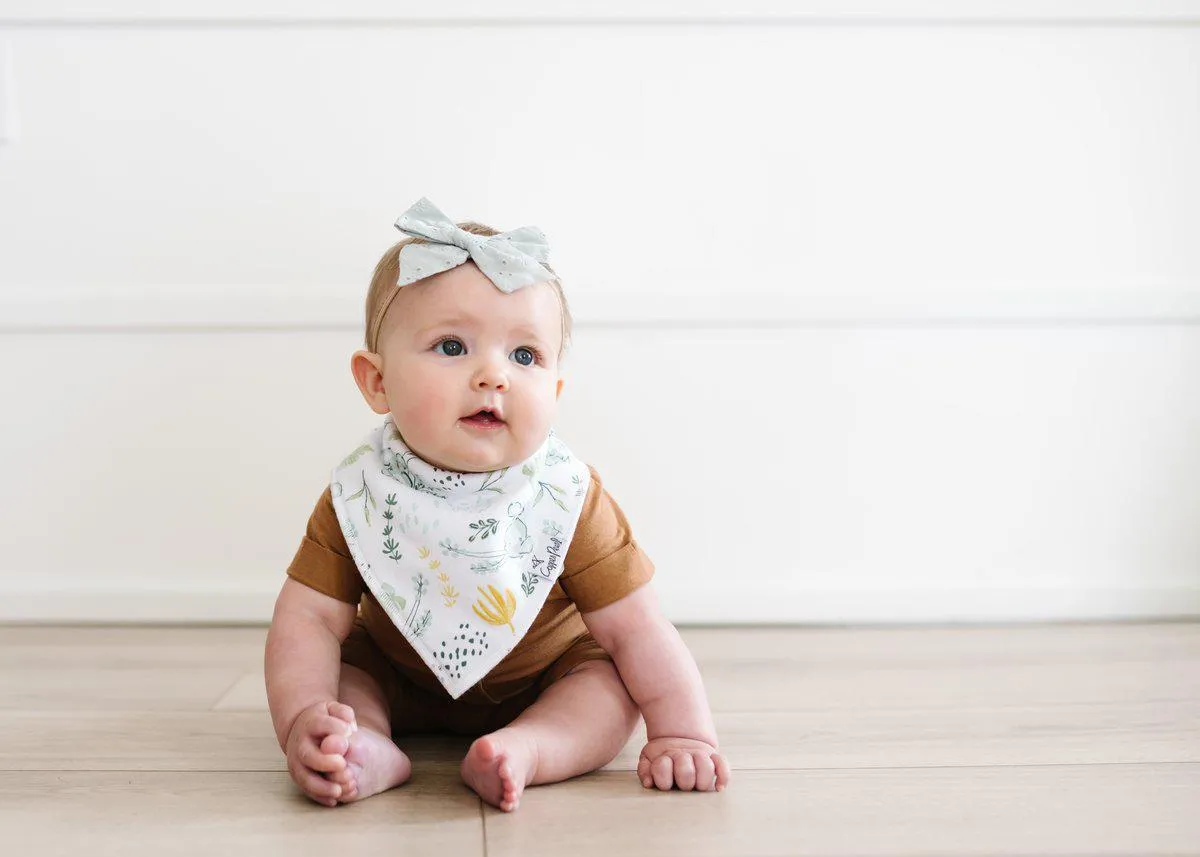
<point>510,260</point>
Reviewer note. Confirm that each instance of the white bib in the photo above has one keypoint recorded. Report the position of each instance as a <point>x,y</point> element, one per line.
<point>461,562</point>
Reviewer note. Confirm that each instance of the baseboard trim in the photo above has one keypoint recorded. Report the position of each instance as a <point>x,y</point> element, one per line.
<point>543,12</point>
<point>690,605</point>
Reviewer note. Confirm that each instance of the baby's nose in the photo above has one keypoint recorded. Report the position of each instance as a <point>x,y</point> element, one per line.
<point>491,376</point>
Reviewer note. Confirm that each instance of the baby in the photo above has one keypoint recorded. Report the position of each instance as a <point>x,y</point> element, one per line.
<point>464,572</point>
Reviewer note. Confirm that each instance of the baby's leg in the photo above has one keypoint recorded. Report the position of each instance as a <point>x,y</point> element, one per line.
<point>577,725</point>
<point>373,762</point>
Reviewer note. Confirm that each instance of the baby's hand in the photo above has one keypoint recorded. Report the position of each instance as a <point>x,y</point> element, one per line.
<point>306,763</point>
<point>684,763</point>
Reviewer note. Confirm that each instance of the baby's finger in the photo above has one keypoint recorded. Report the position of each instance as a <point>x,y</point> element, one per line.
<point>323,725</point>
<point>723,772</point>
<point>335,745</point>
<point>643,772</point>
<point>706,772</point>
<point>316,786</point>
<point>685,770</point>
<point>311,757</point>
<point>660,770</point>
<point>343,712</point>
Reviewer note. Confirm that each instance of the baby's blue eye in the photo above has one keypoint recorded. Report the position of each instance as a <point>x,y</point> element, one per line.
<point>449,347</point>
<point>523,356</point>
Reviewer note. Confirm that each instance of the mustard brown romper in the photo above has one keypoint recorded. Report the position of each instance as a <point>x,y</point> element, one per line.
<point>603,564</point>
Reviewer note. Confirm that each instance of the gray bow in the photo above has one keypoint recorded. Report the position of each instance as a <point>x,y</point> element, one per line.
<point>510,260</point>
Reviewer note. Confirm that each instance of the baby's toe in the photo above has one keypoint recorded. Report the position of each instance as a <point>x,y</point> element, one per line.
<point>349,790</point>
<point>510,796</point>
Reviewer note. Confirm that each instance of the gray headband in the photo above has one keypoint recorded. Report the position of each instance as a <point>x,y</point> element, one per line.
<point>511,260</point>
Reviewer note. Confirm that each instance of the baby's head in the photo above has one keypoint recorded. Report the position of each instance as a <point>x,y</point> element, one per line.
<point>469,373</point>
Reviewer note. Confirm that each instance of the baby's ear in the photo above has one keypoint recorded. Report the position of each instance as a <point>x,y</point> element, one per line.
<point>367,369</point>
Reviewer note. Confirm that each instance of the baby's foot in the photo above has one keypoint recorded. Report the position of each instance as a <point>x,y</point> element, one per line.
<point>373,764</point>
<point>497,767</point>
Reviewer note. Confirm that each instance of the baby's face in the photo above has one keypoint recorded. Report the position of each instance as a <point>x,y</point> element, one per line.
<point>459,348</point>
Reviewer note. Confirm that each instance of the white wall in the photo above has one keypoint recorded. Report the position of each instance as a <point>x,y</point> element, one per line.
<point>906,294</point>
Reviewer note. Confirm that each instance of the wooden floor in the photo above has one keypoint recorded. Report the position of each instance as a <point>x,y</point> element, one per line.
<point>1061,740</point>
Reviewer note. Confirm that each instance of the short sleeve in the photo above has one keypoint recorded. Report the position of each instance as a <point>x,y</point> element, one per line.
<point>604,562</point>
<point>323,560</point>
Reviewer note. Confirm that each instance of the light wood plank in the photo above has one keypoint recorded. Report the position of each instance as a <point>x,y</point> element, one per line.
<point>166,741</point>
<point>845,689</point>
<point>137,741</point>
<point>131,647</point>
<point>947,646</point>
<point>791,669</point>
<point>923,738</point>
<point>1074,810</point>
<point>261,814</point>
<point>115,688</point>
<point>244,740</point>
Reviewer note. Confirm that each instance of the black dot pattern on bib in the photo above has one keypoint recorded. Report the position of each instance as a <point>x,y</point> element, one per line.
<point>450,479</point>
<point>453,655</point>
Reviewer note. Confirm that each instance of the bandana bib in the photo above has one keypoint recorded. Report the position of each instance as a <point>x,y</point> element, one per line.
<point>461,562</point>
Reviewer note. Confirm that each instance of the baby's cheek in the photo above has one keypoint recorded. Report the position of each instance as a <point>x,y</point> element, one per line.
<point>542,412</point>
<point>420,407</point>
<point>436,403</point>
<point>549,403</point>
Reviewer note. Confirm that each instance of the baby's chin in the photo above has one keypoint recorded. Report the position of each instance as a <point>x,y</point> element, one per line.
<point>470,453</point>
<point>484,461</point>
<point>485,464</point>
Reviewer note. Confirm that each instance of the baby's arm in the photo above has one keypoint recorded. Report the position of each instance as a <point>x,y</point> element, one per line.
<point>662,677</point>
<point>303,663</point>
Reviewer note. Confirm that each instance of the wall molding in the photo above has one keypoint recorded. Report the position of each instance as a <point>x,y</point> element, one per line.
<point>691,604</point>
<point>52,310</point>
<point>592,12</point>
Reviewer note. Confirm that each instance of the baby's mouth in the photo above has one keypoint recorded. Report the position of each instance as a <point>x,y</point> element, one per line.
<point>483,417</point>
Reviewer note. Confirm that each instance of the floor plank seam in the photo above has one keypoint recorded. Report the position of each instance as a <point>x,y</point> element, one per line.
<point>483,826</point>
<point>212,706</point>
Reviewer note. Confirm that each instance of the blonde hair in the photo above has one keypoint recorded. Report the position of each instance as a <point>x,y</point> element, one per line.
<point>383,288</point>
